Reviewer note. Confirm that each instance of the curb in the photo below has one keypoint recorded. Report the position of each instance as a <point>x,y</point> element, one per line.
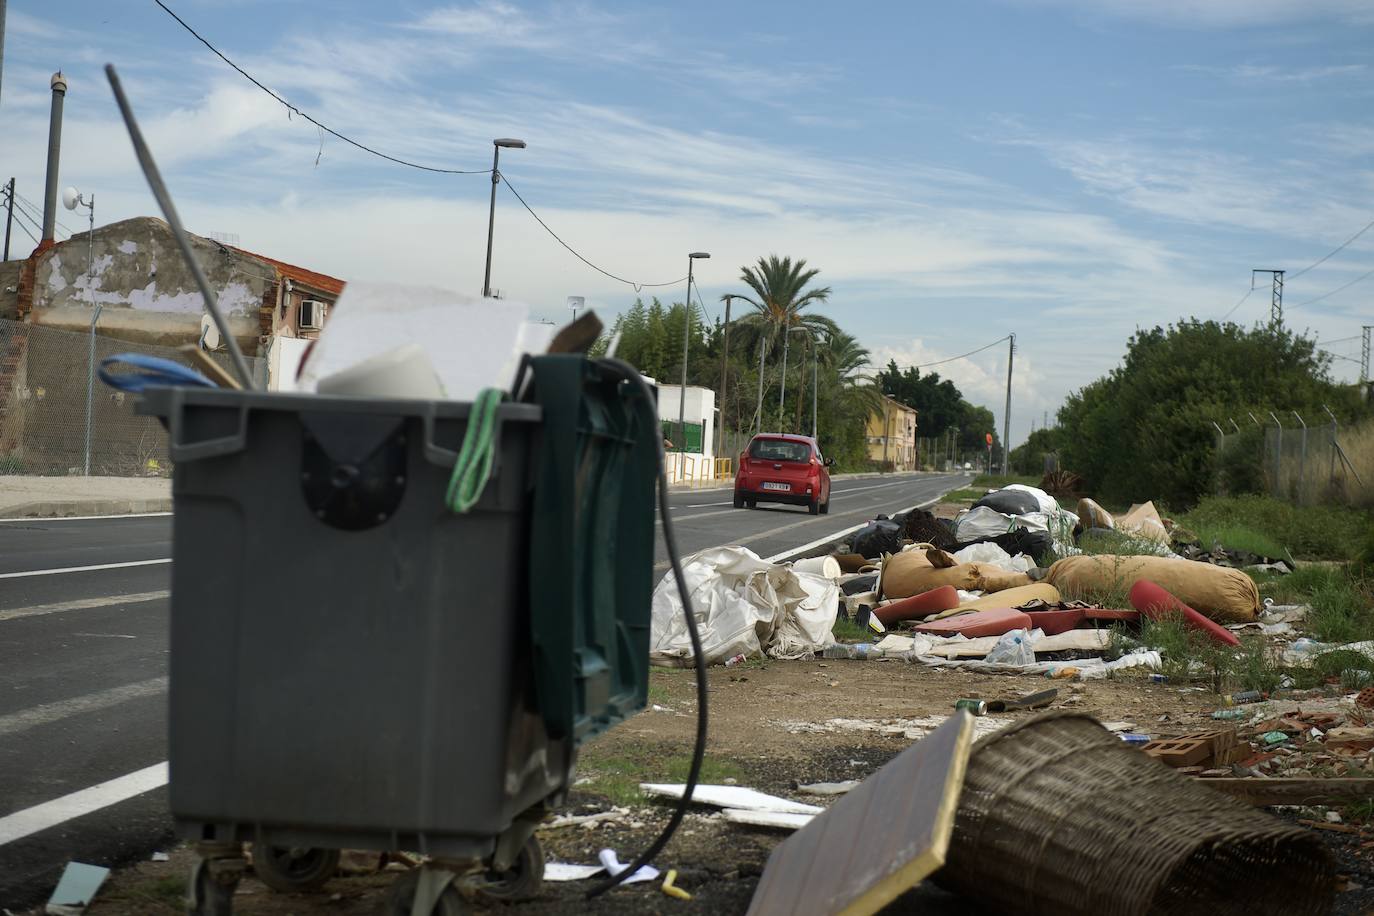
<point>66,508</point>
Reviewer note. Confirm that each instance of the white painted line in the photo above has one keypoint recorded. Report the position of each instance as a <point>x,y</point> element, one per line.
<point>73,569</point>
<point>82,604</point>
<point>779,557</point>
<point>24,823</point>
<point>82,518</point>
<point>35,716</point>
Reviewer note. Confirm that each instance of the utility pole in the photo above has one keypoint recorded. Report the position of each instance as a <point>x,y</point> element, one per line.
<point>58,83</point>
<point>1006,419</point>
<point>758,413</point>
<point>724,355</point>
<point>1276,299</point>
<point>9,204</point>
<point>2,41</point>
<point>1364,339</point>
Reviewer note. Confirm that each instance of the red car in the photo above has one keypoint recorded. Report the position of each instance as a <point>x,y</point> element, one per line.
<point>782,468</point>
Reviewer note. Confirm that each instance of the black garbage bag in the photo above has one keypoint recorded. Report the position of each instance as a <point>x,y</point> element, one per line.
<point>860,584</point>
<point>924,528</point>
<point>1010,502</point>
<point>1035,544</point>
<point>880,536</point>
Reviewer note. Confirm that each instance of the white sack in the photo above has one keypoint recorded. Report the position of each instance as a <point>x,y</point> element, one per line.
<point>987,553</point>
<point>744,606</point>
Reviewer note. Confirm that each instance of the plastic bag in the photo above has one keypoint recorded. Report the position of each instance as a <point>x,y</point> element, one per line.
<point>1013,648</point>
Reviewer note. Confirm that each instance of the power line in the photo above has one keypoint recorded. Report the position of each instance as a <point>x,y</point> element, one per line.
<point>32,212</point>
<point>1363,276</point>
<point>329,130</point>
<point>1341,339</point>
<point>574,252</point>
<point>1241,302</point>
<point>1333,252</point>
<point>27,232</point>
<point>941,362</point>
<point>33,207</point>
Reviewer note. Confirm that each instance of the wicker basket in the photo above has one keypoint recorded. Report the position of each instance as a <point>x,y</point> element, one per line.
<point>1059,816</point>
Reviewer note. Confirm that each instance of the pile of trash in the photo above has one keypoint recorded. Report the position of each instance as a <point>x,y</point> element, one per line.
<point>985,590</point>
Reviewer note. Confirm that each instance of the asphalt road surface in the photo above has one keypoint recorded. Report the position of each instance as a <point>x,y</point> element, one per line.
<point>83,665</point>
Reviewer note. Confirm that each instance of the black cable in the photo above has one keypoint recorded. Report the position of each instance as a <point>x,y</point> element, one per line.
<point>699,751</point>
<point>1332,253</point>
<point>33,216</point>
<point>1233,308</point>
<point>941,362</point>
<point>26,230</point>
<point>1363,276</point>
<point>34,208</point>
<point>600,270</point>
<point>329,130</point>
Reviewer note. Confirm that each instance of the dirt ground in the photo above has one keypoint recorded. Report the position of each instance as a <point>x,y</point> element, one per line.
<point>770,729</point>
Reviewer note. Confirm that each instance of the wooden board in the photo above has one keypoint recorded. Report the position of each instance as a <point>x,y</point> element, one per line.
<point>879,840</point>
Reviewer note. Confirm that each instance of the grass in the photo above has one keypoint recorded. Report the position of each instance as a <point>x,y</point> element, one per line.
<point>846,630</point>
<point>1240,537</point>
<point>618,776</point>
<point>1309,532</point>
<point>968,494</point>
<point>1188,655</point>
<point>997,481</point>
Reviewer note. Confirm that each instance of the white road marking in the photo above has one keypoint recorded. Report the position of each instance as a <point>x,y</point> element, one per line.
<point>779,557</point>
<point>82,604</point>
<point>73,569</point>
<point>34,716</point>
<point>32,520</point>
<point>24,823</point>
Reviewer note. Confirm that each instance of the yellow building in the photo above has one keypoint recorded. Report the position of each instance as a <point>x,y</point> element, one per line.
<point>891,435</point>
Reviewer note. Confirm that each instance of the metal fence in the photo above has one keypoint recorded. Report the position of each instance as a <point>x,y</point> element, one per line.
<point>1301,462</point>
<point>57,418</point>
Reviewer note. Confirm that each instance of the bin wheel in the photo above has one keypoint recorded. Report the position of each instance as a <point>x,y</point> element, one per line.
<point>522,881</point>
<point>401,898</point>
<point>211,896</point>
<point>294,869</point>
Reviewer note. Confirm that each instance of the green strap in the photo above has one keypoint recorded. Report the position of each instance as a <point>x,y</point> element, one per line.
<point>473,467</point>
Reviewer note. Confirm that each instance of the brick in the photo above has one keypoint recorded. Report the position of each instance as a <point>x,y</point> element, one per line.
<point>1179,752</point>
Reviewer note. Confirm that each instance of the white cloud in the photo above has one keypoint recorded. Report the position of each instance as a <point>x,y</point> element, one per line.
<point>1211,14</point>
<point>1269,73</point>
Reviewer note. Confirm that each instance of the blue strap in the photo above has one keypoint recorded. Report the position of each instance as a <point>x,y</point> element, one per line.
<point>156,373</point>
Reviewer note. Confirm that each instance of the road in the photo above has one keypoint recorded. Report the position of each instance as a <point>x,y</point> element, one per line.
<point>83,664</point>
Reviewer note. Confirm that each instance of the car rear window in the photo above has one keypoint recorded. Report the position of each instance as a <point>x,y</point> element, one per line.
<point>779,450</point>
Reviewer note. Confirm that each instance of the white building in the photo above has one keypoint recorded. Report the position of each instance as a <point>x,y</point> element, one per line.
<point>692,459</point>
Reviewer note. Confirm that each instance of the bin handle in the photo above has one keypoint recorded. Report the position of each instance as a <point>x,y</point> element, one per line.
<point>179,450</point>
<point>447,458</point>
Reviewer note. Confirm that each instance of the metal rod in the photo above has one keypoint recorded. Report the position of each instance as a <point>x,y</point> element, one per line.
<point>1302,460</point>
<point>724,355</point>
<point>1335,427</point>
<point>814,433</point>
<point>1278,455</point>
<point>9,215</point>
<point>491,217</point>
<point>782,385</point>
<point>90,386</point>
<point>1006,418</point>
<point>164,202</point>
<point>758,413</point>
<point>686,340</point>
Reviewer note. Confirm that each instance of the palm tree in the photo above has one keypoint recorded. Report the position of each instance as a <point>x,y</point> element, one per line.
<point>780,299</point>
<point>848,359</point>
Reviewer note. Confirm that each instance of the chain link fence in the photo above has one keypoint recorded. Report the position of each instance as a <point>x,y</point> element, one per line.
<point>58,418</point>
<point>1322,464</point>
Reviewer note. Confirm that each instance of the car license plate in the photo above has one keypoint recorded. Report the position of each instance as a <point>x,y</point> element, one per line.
<point>777,486</point>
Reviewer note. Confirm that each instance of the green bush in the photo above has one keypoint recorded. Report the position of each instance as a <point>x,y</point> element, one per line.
<point>1308,532</point>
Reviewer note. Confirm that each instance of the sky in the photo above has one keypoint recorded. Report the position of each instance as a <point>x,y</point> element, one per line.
<point>1064,170</point>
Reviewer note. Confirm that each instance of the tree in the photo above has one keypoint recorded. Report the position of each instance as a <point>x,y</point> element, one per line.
<point>780,300</point>
<point>1144,431</point>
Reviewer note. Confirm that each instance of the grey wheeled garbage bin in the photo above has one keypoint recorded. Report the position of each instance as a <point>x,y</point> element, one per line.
<point>355,666</point>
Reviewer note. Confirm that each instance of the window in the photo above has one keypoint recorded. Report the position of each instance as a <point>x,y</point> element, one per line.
<point>779,450</point>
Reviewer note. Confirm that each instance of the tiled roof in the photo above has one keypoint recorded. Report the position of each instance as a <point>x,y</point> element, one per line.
<point>313,279</point>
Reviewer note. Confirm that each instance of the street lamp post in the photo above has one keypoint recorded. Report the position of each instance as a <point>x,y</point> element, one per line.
<point>686,338</point>
<point>71,199</point>
<point>497,144</point>
<point>724,356</point>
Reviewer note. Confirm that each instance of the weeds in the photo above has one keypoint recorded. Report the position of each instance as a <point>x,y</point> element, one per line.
<point>1189,655</point>
<point>618,777</point>
<point>1310,532</point>
<point>1111,592</point>
<point>846,630</point>
<point>1256,667</point>
<point>968,494</point>
<point>1239,537</point>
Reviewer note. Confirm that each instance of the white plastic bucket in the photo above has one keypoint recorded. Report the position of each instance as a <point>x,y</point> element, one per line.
<point>828,567</point>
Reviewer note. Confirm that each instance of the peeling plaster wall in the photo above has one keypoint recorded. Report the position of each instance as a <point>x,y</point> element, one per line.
<point>146,291</point>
